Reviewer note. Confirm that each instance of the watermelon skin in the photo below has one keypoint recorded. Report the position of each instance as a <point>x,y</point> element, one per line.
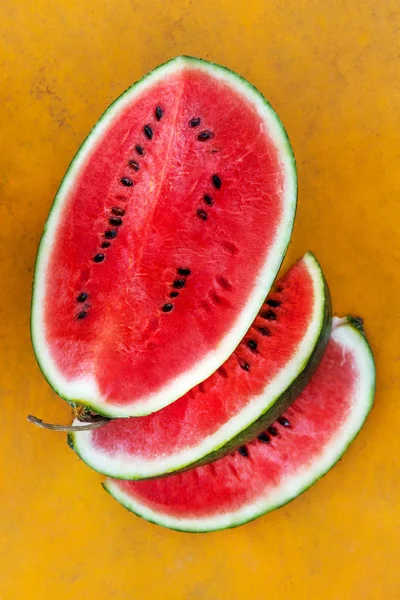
<point>237,489</point>
<point>234,404</point>
<point>106,361</point>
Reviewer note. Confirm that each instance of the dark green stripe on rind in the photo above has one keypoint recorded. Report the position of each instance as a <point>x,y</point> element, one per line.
<point>286,500</point>
<point>92,405</point>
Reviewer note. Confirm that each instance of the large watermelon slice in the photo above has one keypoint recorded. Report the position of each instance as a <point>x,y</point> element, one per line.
<point>254,386</point>
<point>278,465</point>
<point>164,238</point>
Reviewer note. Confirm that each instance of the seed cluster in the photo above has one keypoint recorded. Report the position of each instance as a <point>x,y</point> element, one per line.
<point>208,199</point>
<point>269,314</point>
<point>204,136</point>
<point>265,436</point>
<point>178,284</point>
<point>251,343</point>
<point>81,298</point>
<point>117,212</point>
<point>272,431</point>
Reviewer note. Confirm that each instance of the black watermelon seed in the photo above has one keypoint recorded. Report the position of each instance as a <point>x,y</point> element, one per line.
<point>178,283</point>
<point>167,307</point>
<point>208,200</point>
<point>273,303</point>
<point>174,294</point>
<point>194,122</point>
<point>264,438</point>
<point>82,297</point>
<point>99,258</point>
<point>126,181</point>
<point>110,234</point>
<point>272,430</point>
<point>243,451</point>
<point>284,422</point>
<point>269,315</point>
<point>264,331</point>
<point>116,221</point>
<point>202,214</point>
<point>148,132</point>
<point>105,245</point>
<point>140,150</point>
<point>252,344</point>
<point>116,210</point>
<point>82,314</point>
<point>244,365</point>
<point>159,113</point>
<point>216,181</point>
<point>134,165</point>
<point>204,136</point>
<point>183,271</point>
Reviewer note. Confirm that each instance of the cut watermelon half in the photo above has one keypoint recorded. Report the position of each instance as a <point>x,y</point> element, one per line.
<point>278,465</point>
<point>255,385</point>
<point>164,238</point>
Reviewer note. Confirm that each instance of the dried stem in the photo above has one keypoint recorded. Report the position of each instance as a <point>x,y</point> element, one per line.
<point>69,428</point>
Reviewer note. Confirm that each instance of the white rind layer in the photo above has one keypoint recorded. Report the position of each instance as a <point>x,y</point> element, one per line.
<point>124,466</point>
<point>351,340</point>
<point>85,389</point>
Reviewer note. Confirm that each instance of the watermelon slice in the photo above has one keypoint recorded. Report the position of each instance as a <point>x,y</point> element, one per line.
<point>254,386</point>
<point>278,465</point>
<point>164,238</point>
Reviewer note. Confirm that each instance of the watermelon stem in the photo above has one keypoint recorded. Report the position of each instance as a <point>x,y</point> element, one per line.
<point>69,428</point>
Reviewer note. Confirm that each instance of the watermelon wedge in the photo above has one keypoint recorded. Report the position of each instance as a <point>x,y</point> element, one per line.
<point>270,367</point>
<point>278,465</point>
<point>164,238</point>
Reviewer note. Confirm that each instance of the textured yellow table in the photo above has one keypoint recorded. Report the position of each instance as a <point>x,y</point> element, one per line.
<point>331,70</point>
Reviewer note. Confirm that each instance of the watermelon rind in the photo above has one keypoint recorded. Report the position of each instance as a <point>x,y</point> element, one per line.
<point>85,391</point>
<point>351,338</point>
<point>256,416</point>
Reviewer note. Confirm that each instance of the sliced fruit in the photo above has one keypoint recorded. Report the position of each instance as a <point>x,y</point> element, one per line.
<point>164,238</point>
<point>278,465</point>
<point>255,385</point>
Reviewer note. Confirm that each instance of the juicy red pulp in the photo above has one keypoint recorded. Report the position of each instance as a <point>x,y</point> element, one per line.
<point>143,189</point>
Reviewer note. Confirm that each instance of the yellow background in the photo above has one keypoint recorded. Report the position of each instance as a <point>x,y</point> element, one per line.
<point>331,69</point>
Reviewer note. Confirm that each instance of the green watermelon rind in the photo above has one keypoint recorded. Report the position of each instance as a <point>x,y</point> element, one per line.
<point>42,352</point>
<point>363,349</point>
<point>293,378</point>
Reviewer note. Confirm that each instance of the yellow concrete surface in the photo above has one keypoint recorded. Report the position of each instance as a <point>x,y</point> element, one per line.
<point>331,69</point>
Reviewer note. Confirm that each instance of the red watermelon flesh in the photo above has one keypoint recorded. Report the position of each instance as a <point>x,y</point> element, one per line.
<point>292,326</point>
<point>281,462</point>
<point>165,236</point>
